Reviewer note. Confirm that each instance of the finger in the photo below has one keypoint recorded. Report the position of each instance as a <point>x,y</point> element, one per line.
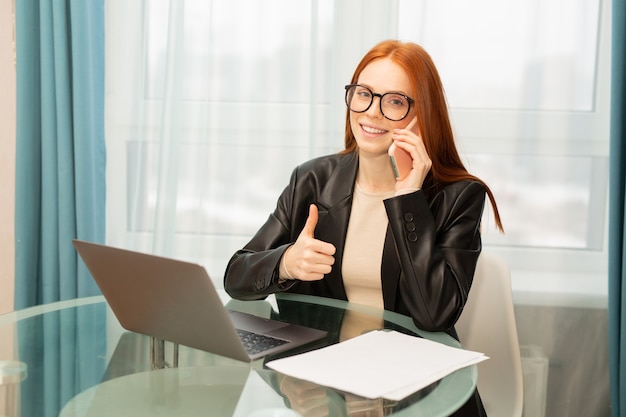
<point>319,253</point>
<point>401,134</point>
<point>419,154</point>
<point>409,145</point>
<point>323,248</point>
<point>315,258</point>
<point>311,222</point>
<point>320,268</point>
<point>412,124</point>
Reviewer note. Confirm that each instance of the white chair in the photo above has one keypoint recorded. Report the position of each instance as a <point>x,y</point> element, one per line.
<point>487,325</point>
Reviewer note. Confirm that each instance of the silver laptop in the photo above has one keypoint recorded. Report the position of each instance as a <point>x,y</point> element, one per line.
<point>177,301</point>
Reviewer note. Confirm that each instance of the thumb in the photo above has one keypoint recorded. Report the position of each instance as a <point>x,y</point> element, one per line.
<point>311,222</point>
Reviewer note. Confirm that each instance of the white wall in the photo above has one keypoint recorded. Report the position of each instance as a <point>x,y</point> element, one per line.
<point>7,155</point>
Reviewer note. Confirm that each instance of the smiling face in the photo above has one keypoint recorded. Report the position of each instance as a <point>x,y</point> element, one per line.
<point>371,129</point>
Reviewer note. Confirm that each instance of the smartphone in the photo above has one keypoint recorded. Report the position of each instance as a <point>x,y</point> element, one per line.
<point>401,161</point>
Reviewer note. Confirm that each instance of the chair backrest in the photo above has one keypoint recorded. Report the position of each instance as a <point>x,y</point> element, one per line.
<point>487,325</point>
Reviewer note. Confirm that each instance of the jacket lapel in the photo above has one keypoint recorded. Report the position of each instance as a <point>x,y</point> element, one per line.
<point>334,204</point>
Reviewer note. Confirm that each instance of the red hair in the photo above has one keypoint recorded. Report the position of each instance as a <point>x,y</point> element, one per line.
<point>433,120</point>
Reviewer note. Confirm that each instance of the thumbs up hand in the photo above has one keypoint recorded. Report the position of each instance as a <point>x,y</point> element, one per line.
<point>309,259</point>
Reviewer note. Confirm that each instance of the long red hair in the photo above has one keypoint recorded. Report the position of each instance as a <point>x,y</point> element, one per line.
<point>433,120</point>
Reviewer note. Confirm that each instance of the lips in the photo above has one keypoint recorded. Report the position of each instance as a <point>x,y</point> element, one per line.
<point>372,130</point>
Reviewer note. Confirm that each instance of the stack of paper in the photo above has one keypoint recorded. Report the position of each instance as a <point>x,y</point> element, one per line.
<point>378,364</point>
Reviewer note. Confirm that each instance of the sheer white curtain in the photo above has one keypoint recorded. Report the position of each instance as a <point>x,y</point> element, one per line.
<point>211,104</point>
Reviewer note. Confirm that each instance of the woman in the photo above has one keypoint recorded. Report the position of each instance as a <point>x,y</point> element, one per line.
<point>345,227</point>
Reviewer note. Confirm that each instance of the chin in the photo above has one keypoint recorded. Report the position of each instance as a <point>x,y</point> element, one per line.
<point>373,151</point>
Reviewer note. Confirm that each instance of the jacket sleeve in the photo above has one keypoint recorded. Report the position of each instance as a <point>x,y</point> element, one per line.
<point>252,272</point>
<point>437,244</point>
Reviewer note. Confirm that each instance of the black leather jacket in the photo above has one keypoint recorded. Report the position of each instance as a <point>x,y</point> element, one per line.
<point>429,257</point>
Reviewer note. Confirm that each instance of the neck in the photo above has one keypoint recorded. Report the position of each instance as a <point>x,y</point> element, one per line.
<point>375,174</point>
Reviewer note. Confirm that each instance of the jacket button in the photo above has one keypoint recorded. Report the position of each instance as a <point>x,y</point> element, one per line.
<point>259,283</point>
<point>408,217</point>
<point>410,227</point>
<point>412,237</point>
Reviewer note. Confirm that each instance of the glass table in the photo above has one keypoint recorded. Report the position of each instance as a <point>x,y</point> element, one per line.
<point>72,358</point>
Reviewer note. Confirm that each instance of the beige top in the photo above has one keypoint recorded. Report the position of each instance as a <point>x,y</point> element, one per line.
<point>363,249</point>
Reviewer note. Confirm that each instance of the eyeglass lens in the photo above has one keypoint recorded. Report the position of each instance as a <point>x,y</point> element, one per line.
<point>393,106</point>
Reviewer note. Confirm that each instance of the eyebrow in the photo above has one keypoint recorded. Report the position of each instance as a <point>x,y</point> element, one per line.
<point>390,91</point>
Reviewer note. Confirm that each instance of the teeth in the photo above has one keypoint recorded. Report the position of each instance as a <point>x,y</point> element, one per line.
<point>372,130</point>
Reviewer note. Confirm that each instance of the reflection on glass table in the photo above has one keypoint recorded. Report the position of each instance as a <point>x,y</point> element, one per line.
<point>80,362</point>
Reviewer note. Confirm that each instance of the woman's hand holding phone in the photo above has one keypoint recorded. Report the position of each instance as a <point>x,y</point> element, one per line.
<point>409,158</point>
<point>401,161</point>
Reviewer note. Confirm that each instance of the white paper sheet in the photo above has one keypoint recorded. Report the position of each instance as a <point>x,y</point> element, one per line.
<point>378,364</point>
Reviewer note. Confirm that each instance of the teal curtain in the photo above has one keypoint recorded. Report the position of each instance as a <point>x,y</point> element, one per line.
<point>617,215</point>
<point>60,151</point>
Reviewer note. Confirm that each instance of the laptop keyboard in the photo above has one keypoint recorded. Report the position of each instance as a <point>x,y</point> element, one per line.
<point>255,343</point>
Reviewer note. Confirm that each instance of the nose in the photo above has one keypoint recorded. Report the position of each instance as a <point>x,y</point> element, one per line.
<point>375,110</point>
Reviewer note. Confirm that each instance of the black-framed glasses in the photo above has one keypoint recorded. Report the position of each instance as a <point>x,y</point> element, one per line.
<point>394,106</point>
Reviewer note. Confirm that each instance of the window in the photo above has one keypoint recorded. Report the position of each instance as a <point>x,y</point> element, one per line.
<point>530,107</point>
<point>210,109</point>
